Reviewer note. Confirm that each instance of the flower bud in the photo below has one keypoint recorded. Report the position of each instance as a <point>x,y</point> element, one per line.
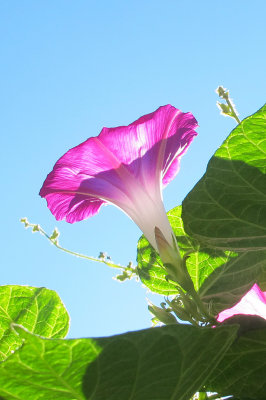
<point>162,315</point>
<point>173,263</point>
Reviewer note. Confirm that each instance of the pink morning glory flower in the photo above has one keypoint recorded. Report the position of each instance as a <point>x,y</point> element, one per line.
<point>252,303</point>
<point>125,166</point>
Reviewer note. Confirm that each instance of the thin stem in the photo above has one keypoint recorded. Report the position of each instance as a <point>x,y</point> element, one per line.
<point>217,396</point>
<point>38,228</point>
<point>224,94</point>
<point>230,105</point>
<point>214,396</point>
<point>73,253</point>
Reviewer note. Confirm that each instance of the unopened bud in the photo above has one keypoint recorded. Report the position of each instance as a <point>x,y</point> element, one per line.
<point>179,311</point>
<point>221,91</point>
<point>55,234</point>
<point>224,108</point>
<point>162,315</point>
<point>173,263</point>
<point>168,254</point>
<point>102,255</point>
<point>36,228</point>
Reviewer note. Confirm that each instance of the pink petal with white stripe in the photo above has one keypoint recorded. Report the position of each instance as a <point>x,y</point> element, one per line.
<point>125,166</point>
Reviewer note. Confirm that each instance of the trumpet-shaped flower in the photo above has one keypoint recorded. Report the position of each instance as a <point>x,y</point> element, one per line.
<point>125,166</point>
<point>252,303</point>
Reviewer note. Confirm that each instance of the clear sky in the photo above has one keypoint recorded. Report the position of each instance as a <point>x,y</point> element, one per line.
<point>67,69</point>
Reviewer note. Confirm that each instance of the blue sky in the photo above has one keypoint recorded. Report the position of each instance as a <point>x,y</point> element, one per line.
<point>71,67</point>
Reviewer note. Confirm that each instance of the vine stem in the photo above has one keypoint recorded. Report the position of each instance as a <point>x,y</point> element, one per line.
<point>38,228</point>
<point>224,94</point>
<point>230,105</point>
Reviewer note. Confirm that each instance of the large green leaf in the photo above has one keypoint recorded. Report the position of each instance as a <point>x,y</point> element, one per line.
<point>242,371</point>
<point>167,363</point>
<point>221,277</point>
<point>227,208</point>
<point>39,310</point>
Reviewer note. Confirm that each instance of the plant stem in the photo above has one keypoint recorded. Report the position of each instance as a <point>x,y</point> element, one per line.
<point>201,306</point>
<point>73,253</point>
<point>230,105</point>
<point>224,94</point>
<point>217,396</point>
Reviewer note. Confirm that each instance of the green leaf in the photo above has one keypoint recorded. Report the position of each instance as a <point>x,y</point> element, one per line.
<point>243,369</point>
<point>39,310</point>
<point>225,286</point>
<point>221,277</point>
<point>227,207</point>
<point>168,363</point>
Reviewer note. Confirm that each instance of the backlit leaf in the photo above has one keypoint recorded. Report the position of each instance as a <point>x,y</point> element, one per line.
<point>39,310</point>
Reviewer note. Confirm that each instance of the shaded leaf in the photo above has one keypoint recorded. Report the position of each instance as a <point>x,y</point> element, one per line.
<point>227,207</point>
<point>226,285</point>
<point>243,369</point>
<point>168,363</point>
<point>39,310</point>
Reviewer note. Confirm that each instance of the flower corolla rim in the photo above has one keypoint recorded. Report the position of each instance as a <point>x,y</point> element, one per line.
<point>252,303</point>
<point>126,166</point>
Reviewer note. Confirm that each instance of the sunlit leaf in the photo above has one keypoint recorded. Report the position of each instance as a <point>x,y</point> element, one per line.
<point>39,310</point>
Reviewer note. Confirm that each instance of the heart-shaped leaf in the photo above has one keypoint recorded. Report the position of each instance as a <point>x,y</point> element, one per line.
<point>39,310</point>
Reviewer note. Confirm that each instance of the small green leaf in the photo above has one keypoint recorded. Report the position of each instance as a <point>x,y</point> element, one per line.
<point>171,362</point>
<point>39,310</point>
<point>227,207</point>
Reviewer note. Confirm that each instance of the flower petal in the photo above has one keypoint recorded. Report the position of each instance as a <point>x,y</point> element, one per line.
<point>73,207</point>
<point>124,166</point>
<point>161,138</point>
<point>252,303</point>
